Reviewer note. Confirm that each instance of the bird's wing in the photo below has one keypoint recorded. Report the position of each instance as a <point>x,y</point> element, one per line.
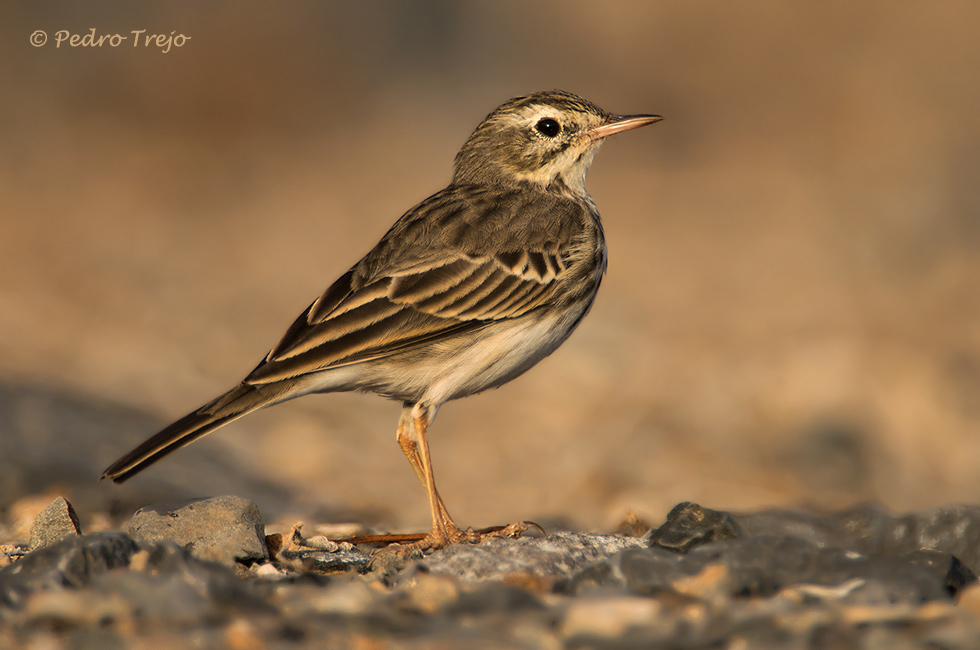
<point>455,263</point>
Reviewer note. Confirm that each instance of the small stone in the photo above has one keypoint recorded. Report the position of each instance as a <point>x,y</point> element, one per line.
<point>689,525</point>
<point>321,543</point>
<point>632,526</point>
<point>241,634</point>
<point>969,600</point>
<point>224,529</point>
<point>337,598</point>
<point>813,592</point>
<point>495,597</point>
<point>531,581</point>
<point>56,521</point>
<point>9,553</point>
<point>139,561</point>
<point>608,617</point>
<point>711,583</point>
<point>21,514</point>
<point>265,570</point>
<point>79,607</point>
<point>429,592</point>
<point>274,543</point>
<point>641,571</point>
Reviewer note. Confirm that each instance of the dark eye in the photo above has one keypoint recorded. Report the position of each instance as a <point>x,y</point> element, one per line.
<point>548,127</point>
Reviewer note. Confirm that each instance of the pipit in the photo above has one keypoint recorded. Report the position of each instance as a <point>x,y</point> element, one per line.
<point>468,290</point>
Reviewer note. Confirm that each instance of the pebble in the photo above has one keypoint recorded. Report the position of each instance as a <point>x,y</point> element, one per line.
<point>428,592</point>
<point>225,529</point>
<point>689,525</point>
<point>57,520</point>
<point>337,598</point>
<point>22,514</point>
<point>609,617</point>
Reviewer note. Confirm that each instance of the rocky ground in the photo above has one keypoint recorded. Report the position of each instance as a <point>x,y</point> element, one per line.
<point>204,573</point>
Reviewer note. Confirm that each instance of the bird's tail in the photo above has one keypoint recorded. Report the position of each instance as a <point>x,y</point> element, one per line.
<point>239,401</point>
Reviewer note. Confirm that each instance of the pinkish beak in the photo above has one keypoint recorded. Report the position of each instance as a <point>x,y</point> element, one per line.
<point>619,123</point>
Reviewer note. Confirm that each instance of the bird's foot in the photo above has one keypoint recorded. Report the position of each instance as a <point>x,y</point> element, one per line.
<point>445,535</point>
<point>442,536</point>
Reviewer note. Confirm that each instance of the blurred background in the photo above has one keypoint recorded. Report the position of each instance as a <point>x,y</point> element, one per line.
<point>790,316</point>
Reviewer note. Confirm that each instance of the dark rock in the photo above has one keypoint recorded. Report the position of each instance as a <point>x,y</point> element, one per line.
<point>72,562</point>
<point>871,530</point>
<point>689,525</point>
<point>763,566</point>
<point>221,529</point>
<point>85,579</point>
<point>494,597</point>
<point>54,522</point>
<point>638,570</point>
<point>429,593</point>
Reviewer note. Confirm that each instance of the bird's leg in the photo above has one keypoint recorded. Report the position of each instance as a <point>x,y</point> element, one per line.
<point>407,441</point>
<point>412,427</point>
<point>444,529</point>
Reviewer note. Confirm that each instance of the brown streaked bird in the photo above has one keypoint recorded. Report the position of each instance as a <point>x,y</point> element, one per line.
<point>468,290</point>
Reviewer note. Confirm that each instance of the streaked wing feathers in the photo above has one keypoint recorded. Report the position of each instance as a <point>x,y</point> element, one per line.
<point>392,301</point>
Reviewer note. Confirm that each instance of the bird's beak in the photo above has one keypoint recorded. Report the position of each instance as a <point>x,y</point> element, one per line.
<point>619,123</point>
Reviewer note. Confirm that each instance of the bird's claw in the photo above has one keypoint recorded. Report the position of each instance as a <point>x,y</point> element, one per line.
<point>513,531</point>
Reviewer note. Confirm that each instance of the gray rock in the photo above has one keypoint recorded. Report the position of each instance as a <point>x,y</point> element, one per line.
<point>551,558</point>
<point>83,580</point>
<point>494,597</point>
<point>53,523</point>
<point>224,529</point>
<point>72,562</point>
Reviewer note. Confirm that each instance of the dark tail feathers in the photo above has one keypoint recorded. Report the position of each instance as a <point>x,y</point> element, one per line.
<point>239,401</point>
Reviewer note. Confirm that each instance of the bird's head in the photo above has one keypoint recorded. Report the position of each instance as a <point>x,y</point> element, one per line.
<point>545,139</point>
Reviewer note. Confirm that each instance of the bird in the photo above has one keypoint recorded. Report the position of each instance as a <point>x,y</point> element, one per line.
<point>465,292</point>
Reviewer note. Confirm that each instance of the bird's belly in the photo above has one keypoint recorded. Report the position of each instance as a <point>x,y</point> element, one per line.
<point>491,357</point>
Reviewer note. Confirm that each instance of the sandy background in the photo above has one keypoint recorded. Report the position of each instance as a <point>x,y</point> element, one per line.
<point>791,314</point>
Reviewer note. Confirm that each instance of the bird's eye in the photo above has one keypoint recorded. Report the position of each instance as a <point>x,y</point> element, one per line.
<point>548,127</point>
